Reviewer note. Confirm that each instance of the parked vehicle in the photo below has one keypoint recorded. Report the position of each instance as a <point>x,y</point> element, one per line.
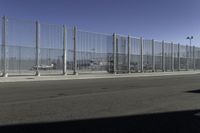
<point>44,67</point>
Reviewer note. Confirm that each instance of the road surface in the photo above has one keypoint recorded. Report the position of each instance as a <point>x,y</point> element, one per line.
<point>141,104</point>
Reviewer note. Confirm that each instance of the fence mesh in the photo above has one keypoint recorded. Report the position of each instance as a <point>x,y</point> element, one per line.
<point>147,55</point>
<point>176,60</point>
<point>1,46</point>
<point>20,32</point>
<point>168,56</point>
<point>190,57</point>
<point>94,51</point>
<point>197,58</point>
<point>183,57</point>
<point>122,54</point>
<point>70,50</point>
<point>21,60</point>
<point>20,46</point>
<point>158,55</point>
<point>135,62</point>
<point>0,31</point>
<point>51,52</point>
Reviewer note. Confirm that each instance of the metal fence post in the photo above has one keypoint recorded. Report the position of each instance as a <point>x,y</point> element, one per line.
<point>114,52</point>
<point>141,54</point>
<point>20,58</point>
<point>194,63</point>
<point>179,59</point>
<point>129,54</point>
<point>75,59</point>
<point>37,47</point>
<point>172,56</point>
<point>163,56</point>
<point>117,55</point>
<point>187,58</point>
<point>153,55</point>
<point>64,51</point>
<point>4,46</point>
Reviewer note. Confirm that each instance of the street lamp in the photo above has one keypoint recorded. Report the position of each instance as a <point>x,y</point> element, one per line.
<point>190,38</point>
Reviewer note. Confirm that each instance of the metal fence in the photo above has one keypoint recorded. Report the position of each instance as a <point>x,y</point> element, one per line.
<point>34,48</point>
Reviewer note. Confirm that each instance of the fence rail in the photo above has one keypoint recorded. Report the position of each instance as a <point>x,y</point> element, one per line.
<point>34,48</point>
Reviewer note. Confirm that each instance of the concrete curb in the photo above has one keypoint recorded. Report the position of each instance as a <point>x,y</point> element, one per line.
<point>91,76</point>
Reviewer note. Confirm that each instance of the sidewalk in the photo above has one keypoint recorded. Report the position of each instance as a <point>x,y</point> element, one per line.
<point>92,76</point>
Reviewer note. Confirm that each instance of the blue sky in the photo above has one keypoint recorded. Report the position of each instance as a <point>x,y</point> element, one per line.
<point>170,20</point>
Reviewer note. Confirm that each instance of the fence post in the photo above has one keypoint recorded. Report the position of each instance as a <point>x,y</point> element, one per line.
<point>187,58</point>
<point>117,55</point>
<point>129,54</point>
<point>153,55</point>
<point>179,59</point>
<point>20,58</point>
<point>172,56</point>
<point>114,52</point>
<point>163,56</point>
<point>64,51</point>
<point>4,46</point>
<point>194,63</point>
<point>37,47</point>
<point>141,54</point>
<point>75,59</point>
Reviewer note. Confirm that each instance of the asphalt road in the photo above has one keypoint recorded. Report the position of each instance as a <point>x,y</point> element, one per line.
<point>145,104</point>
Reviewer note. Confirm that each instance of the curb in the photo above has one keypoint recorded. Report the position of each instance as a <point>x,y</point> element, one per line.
<point>81,77</point>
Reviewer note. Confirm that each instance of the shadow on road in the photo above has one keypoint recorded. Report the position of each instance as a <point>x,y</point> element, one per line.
<point>176,122</point>
<point>194,91</point>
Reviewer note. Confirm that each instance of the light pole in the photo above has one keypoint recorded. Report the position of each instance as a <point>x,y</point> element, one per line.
<point>190,38</point>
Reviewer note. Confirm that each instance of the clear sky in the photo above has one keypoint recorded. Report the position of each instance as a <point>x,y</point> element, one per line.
<point>170,20</point>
